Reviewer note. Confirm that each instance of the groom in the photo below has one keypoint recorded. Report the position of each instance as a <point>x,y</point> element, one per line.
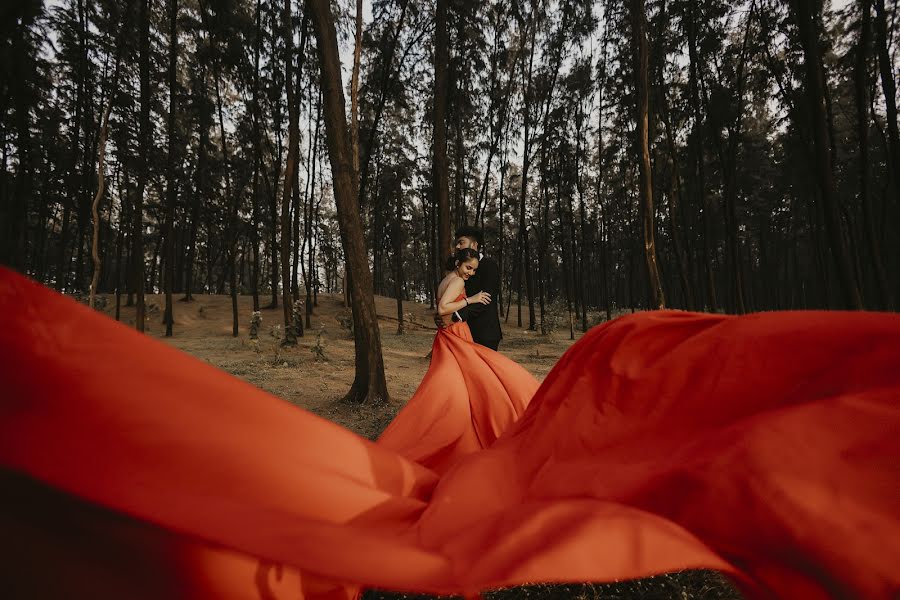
<point>483,319</point>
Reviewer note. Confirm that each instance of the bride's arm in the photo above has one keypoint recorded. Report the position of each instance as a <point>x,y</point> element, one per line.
<point>448,303</point>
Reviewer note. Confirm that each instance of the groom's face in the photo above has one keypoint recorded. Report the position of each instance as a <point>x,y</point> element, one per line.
<point>466,242</point>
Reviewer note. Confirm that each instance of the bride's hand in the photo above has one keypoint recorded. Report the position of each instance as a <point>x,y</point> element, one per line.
<point>482,297</point>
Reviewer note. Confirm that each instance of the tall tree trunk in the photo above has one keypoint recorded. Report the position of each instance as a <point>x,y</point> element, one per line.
<point>398,252</point>
<point>441,88</point>
<point>203,125</point>
<point>274,248</point>
<point>459,156</point>
<point>172,195</point>
<point>14,210</point>
<point>295,214</point>
<point>568,254</point>
<point>310,271</point>
<point>82,204</point>
<point>808,15</point>
<point>888,85</point>
<point>354,88</point>
<point>673,196</point>
<point>579,183</point>
<point>137,252</point>
<point>639,45</point>
<point>257,159</point>
<point>861,84</point>
<point>231,201</point>
<point>289,176</point>
<point>604,264</point>
<point>522,245</point>
<point>121,274</point>
<point>729,161</point>
<point>95,206</point>
<point>704,202</point>
<point>544,232</point>
<point>298,253</point>
<point>312,258</point>
<point>369,384</point>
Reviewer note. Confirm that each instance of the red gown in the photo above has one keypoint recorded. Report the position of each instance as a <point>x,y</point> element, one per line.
<point>467,399</point>
<point>765,446</point>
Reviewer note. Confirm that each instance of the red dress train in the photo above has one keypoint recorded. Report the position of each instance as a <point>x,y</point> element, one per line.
<point>765,446</point>
<point>469,396</point>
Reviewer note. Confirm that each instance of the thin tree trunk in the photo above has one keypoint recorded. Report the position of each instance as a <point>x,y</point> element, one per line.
<point>199,188</point>
<point>639,41</point>
<point>144,153</point>
<point>231,201</point>
<point>860,79</point>
<point>579,183</point>
<point>673,192</point>
<point>544,234</point>
<point>522,245</point>
<point>95,206</point>
<point>274,248</point>
<point>14,210</point>
<point>704,203</point>
<point>354,88</point>
<point>257,159</point>
<point>82,204</point>
<point>296,202</point>
<point>398,253</point>
<point>441,88</point>
<point>808,18</point>
<point>568,255</point>
<point>169,276</point>
<point>459,156</point>
<point>889,87</point>
<point>289,175</point>
<point>310,272</point>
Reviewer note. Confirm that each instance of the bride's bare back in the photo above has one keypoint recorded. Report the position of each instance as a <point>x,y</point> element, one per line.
<point>451,286</point>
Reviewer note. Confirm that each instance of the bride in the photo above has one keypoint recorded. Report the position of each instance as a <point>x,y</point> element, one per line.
<point>452,288</point>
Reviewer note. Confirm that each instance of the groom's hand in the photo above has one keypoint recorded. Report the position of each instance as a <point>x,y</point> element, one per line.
<point>439,321</point>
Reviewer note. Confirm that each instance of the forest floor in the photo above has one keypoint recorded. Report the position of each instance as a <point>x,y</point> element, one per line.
<point>203,328</point>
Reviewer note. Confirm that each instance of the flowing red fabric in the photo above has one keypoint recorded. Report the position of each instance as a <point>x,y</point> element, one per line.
<point>766,446</point>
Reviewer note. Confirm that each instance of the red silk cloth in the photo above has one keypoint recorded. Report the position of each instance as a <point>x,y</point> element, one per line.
<point>766,446</point>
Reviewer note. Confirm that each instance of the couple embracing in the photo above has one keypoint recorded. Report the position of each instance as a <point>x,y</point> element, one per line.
<point>471,393</point>
<point>476,275</point>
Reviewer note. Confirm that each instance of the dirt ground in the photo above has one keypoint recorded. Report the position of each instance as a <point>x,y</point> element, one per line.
<point>203,328</point>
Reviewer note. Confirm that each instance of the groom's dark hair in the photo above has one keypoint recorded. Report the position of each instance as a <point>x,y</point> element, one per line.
<point>470,232</point>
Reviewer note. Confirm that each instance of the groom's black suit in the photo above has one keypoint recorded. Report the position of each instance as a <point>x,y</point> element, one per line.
<point>484,319</point>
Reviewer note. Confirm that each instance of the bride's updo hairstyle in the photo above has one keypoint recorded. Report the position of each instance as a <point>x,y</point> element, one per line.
<point>459,257</point>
